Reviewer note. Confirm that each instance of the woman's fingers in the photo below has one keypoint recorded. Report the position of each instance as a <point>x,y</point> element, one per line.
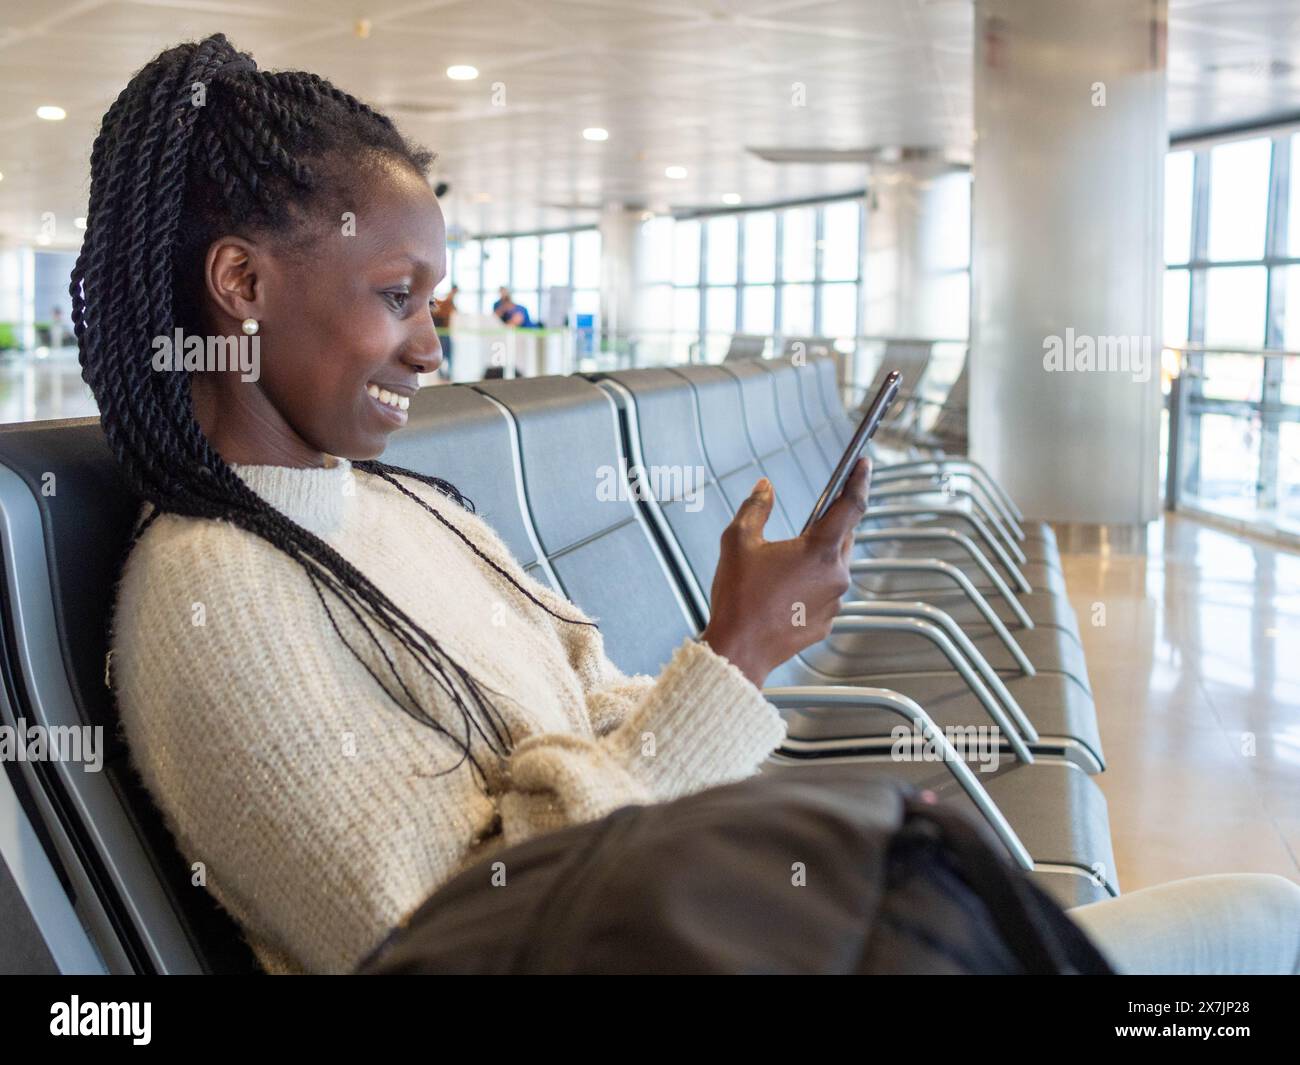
<point>842,516</point>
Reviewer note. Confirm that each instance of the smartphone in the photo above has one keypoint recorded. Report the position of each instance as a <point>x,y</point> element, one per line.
<point>865,431</point>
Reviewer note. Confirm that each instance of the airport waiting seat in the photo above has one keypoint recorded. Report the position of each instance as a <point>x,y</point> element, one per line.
<point>1037,607</point>
<point>65,518</point>
<point>569,438</point>
<point>947,432</point>
<point>743,440</point>
<point>745,346</point>
<point>663,430</point>
<point>832,428</point>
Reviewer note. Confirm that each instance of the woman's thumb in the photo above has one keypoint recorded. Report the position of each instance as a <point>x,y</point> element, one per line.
<point>755,511</point>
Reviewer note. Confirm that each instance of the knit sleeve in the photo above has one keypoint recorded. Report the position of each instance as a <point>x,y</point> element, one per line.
<point>699,723</point>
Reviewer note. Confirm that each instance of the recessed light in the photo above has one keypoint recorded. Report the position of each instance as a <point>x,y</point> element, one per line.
<point>675,172</point>
<point>462,72</point>
<point>79,221</point>
<point>51,113</point>
<point>2,177</point>
<point>731,198</point>
<point>595,133</point>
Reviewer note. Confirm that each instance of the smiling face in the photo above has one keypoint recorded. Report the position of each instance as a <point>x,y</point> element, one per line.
<point>344,326</point>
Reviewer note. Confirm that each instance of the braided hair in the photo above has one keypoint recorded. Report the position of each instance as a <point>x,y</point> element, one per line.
<point>201,143</point>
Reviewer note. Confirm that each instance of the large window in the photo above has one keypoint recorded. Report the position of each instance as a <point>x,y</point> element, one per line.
<point>1232,295</point>
<point>788,271</point>
<point>530,265</point>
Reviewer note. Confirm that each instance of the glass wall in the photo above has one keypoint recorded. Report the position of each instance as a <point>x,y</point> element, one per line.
<point>529,265</point>
<point>784,271</point>
<point>1231,300</point>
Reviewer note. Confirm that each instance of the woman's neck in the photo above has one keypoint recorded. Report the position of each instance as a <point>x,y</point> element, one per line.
<point>246,429</point>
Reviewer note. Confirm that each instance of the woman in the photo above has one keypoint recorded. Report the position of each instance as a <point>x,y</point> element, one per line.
<point>335,681</point>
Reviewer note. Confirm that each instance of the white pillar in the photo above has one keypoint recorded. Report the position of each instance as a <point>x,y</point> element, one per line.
<point>1067,258</point>
<point>619,231</point>
<point>913,259</point>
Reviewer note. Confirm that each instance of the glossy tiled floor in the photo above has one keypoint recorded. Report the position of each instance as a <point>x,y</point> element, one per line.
<point>1193,642</point>
<point>37,387</point>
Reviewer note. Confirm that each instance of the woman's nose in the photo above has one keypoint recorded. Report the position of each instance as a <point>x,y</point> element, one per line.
<point>424,353</point>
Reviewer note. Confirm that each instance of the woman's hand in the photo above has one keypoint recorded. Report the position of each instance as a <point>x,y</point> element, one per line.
<point>771,599</point>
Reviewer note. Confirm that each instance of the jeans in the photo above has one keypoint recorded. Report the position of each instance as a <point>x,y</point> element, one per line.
<point>1243,923</point>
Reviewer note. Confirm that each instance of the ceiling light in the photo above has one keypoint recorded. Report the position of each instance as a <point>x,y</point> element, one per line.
<point>462,72</point>
<point>80,222</point>
<point>731,198</point>
<point>675,172</point>
<point>43,238</point>
<point>51,113</point>
<point>595,133</point>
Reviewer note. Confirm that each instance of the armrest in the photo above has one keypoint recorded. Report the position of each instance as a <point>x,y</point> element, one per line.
<point>949,492</point>
<point>898,510</point>
<point>926,613</point>
<point>946,569</point>
<point>890,474</point>
<point>892,702</point>
<point>962,462</point>
<point>961,540</point>
<point>893,621</point>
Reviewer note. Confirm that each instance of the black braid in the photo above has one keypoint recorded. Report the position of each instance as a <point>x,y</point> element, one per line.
<point>257,153</point>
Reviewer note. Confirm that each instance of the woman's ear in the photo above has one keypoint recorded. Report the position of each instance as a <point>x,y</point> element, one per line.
<point>230,275</point>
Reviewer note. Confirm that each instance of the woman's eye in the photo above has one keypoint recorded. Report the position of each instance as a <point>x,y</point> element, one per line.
<point>398,299</point>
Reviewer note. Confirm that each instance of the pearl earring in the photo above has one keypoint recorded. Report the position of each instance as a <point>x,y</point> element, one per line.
<point>249,326</point>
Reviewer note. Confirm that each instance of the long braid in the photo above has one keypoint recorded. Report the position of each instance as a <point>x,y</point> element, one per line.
<point>198,144</point>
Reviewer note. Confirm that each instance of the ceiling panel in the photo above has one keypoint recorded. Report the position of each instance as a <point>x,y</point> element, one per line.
<point>683,83</point>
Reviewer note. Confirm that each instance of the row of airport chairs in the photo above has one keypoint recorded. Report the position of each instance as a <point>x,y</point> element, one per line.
<point>957,620</point>
<point>917,423</point>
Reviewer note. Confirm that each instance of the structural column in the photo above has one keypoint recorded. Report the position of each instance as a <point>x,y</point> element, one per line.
<point>1067,258</point>
<point>619,233</point>
<point>912,261</point>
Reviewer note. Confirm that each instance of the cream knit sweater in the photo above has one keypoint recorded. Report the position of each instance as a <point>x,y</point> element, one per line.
<point>313,808</point>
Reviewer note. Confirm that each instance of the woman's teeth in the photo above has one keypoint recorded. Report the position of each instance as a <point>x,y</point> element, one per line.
<point>391,398</point>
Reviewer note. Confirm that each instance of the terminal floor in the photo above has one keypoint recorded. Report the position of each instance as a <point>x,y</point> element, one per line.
<point>1193,643</point>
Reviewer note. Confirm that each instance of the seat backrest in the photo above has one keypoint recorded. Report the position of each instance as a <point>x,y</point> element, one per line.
<point>794,424</point>
<point>831,436</point>
<point>67,516</point>
<point>593,534</point>
<point>911,358</point>
<point>950,425</point>
<point>745,346</point>
<point>462,436</point>
<point>726,441</point>
<point>763,425</point>
<point>662,430</point>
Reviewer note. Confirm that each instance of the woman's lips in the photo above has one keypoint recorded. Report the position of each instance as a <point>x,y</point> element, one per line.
<point>391,405</point>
